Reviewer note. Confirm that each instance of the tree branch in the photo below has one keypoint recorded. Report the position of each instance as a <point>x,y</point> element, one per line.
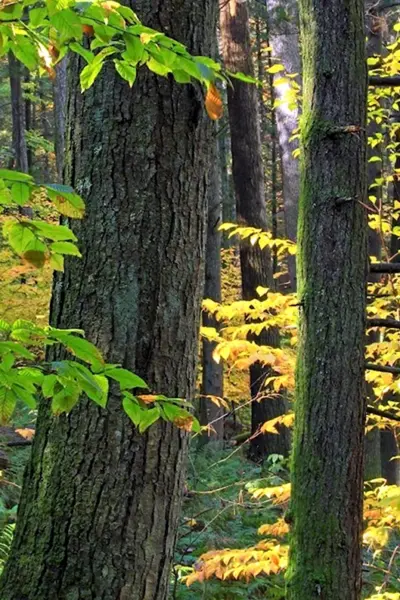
<point>382,413</point>
<point>383,323</point>
<point>382,368</point>
<point>384,267</point>
<point>384,81</point>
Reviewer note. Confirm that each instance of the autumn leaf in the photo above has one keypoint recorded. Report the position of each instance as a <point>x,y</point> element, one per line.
<point>88,30</point>
<point>213,102</point>
<point>148,398</point>
<point>184,423</point>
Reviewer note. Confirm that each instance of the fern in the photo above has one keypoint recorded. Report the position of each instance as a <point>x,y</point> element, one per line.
<point>6,538</point>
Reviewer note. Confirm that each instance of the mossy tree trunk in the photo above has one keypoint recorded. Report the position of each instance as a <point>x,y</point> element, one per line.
<point>327,477</point>
<point>248,178</point>
<point>100,502</point>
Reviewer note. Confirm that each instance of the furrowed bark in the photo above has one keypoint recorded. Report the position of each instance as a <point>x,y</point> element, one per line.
<point>327,469</point>
<point>100,503</point>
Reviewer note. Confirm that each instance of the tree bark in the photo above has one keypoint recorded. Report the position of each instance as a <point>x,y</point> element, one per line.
<point>327,472</point>
<point>59,95</point>
<point>283,35</point>
<point>20,154</point>
<point>100,502</point>
<point>212,375</point>
<point>372,467</point>
<point>248,178</point>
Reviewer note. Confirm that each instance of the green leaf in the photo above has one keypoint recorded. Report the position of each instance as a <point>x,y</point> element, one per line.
<point>14,175</point>
<point>79,49</point>
<point>157,67</point>
<point>126,71</point>
<point>94,386</point>
<point>242,77</point>
<point>162,55</point>
<point>20,192</point>
<point>25,51</point>
<point>20,237</point>
<point>102,382</point>
<point>28,375</point>
<point>67,23</point>
<point>126,379</point>
<point>172,411</point>
<point>133,410</point>
<point>128,14</point>
<point>148,418</point>
<point>134,47</point>
<point>65,248</point>
<point>5,196</point>
<point>48,384</point>
<point>181,76</point>
<point>4,326</point>
<point>64,401</point>
<point>53,232</point>
<point>37,16</point>
<point>57,262</point>
<point>8,400</point>
<point>7,362</point>
<point>15,348</point>
<point>89,74</point>
<point>66,201</point>
<point>79,347</point>
<point>11,12</point>
<point>25,396</point>
<point>189,66</point>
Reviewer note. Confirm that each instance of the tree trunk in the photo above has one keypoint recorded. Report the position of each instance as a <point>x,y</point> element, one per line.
<point>389,444</point>
<point>45,130</point>
<point>28,120</point>
<point>59,95</point>
<point>327,473</point>
<point>372,468</point>
<point>100,502</point>
<point>213,375</point>
<point>248,177</point>
<point>20,154</point>
<point>390,449</point>
<point>284,39</point>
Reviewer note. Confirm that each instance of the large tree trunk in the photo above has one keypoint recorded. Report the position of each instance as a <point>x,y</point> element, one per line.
<point>327,476</point>
<point>283,35</point>
<point>100,503</point>
<point>248,177</point>
<point>212,375</point>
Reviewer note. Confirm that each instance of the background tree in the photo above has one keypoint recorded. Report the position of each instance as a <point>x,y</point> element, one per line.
<point>248,178</point>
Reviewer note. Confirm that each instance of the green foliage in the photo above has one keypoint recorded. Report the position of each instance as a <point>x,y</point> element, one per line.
<point>218,514</point>
<point>48,31</point>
